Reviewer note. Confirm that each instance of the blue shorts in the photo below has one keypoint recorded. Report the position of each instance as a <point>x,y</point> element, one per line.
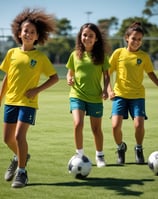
<point>91,109</point>
<point>22,113</point>
<point>122,106</point>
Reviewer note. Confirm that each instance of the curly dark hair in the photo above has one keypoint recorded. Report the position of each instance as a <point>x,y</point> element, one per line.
<point>100,47</point>
<point>44,23</point>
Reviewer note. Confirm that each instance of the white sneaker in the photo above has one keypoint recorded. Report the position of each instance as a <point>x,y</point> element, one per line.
<point>100,161</point>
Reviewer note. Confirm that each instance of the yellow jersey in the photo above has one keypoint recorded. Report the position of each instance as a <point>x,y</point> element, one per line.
<point>130,68</point>
<point>23,69</point>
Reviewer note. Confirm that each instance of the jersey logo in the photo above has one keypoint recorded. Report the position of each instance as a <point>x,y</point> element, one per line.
<point>139,61</point>
<point>33,63</point>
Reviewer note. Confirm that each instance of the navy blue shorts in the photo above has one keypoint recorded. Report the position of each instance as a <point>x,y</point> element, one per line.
<point>122,106</point>
<point>91,109</point>
<point>22,113</point>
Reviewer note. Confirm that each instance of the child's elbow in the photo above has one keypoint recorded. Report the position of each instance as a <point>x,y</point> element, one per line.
<point>56,78</point>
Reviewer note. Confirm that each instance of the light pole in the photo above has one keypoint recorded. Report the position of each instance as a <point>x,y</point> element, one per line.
<point>88,13</point>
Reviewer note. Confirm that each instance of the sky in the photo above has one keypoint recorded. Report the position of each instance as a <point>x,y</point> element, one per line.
<point>74,10</point>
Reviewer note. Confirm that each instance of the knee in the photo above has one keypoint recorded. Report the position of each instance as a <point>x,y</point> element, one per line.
<point>97,130</point>
<point>78,124</point>
<point>7,140</point>
<point>116,128</point>
<point>139,125</point>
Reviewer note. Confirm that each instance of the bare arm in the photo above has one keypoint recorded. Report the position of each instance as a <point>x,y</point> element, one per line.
<point>70,77</point>
<point>3,88</point>
<point>31,93</point>
<point>106,81</point>
<point>153,77</point>
<point>111,93</point>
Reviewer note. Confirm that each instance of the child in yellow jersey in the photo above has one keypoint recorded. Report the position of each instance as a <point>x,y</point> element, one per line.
<point>87,65</point>
<point>128,94</point>
<point>23,67</point>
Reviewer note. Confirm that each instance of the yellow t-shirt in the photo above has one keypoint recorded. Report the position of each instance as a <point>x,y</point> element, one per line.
<point>129,68</point>
<point>23,69</point>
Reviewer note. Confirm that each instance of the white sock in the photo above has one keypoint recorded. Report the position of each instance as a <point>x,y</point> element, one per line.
<point>138,146</point>
<point>15,157</point>
<point>99,153</point>
<point>21,170</point>
<point>80,151</point>
<point>121,146</point>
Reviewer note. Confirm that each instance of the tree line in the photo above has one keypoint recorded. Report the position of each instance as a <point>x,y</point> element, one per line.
<point>61,44</point>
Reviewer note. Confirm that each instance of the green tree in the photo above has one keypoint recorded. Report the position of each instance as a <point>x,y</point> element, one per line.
<point>107,24</point>
<point>61,44</point>
<point>151,8</point>
<point>5,45</point>
<point>58,49</point>
<point>64,27</point>
<point>127,22</point>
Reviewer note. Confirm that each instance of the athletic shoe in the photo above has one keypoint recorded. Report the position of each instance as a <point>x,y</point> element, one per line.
<point>121,154</point>
<point>20,180</point>
<point>11,171</point>
<point>139,155</point>
<point>100,161</point>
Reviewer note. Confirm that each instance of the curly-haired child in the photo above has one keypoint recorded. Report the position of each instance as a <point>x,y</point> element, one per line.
<point>23,67</point>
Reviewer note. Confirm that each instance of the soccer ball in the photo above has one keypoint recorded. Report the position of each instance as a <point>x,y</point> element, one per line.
<point>153,162</point>
<point>79,166</point>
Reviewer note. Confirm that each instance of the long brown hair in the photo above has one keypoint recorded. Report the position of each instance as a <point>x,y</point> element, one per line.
<point>99,49</point>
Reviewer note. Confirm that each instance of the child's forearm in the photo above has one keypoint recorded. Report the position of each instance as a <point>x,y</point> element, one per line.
<point>3,87</point>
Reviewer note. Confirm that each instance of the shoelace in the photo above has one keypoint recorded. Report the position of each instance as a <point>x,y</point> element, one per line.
<point>21,177</point>
<point>13,165</point>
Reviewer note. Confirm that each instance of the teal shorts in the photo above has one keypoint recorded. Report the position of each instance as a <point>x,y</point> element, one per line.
<point>91,109</point>
<point>22,113</point>
<point>122,106</point>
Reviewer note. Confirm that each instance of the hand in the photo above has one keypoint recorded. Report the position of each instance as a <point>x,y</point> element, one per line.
<point>31,93</point>
<point>111,95</point>
<point>70,81</point>
<point>105,95</point>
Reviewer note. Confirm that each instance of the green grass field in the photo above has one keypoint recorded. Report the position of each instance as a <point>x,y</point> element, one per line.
<point>51,145</point>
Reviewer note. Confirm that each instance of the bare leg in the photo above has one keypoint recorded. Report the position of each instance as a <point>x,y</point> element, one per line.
<point>9,136</point>
<point>97,132</point>
<point>98,138</point>
<point>22,146</point>
<point>139,129</point>
<point>117,134</point>
<point>78,119</point>
<point>116,128</point>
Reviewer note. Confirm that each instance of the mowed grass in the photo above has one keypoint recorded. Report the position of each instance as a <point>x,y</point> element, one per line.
<point>51,145</point>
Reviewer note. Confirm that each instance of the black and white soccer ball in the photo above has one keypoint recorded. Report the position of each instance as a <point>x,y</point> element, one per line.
<point>153,162</point>
<point>79,166</point>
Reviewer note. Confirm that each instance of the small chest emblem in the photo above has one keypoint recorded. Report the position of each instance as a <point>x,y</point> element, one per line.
<point>139,61</point>
<point>33,62</point>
